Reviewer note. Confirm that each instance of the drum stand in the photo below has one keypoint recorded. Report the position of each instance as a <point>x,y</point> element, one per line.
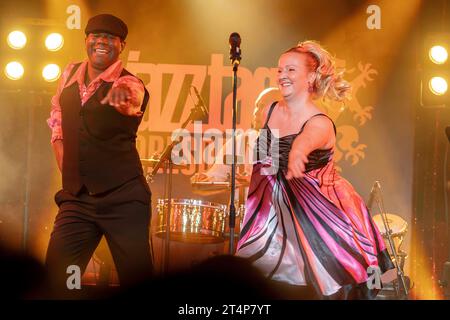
<point>165,161</point>
<point>400,276</point>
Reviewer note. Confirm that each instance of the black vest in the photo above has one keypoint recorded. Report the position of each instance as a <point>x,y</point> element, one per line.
<point>99,142</point>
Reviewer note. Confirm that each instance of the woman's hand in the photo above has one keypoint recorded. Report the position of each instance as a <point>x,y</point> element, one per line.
<point>318,133</point>
<point>297,161</point>
<point>199,177</point>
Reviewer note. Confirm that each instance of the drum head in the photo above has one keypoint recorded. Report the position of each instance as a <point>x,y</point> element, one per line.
<point>396,223</point>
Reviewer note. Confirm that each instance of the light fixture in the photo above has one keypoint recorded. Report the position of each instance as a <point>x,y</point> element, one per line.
<point>54,41</point>
<point>438,54</point>
<point>16,39</point>
<point>51,72</point>
<point>14,70</point>
<point>438,86</point>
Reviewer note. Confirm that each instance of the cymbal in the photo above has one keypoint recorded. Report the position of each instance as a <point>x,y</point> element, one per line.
<point>149,162</point>
<point>153,162</point>
<point>218,184</point>
<point>211,187</point>
<point>224,184</point>
<point>396,223</point>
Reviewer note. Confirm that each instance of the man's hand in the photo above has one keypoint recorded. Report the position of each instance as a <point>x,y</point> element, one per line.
<point>120,98</point>
<point>59,151</point>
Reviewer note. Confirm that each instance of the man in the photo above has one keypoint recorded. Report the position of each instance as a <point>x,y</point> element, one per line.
<point>94,118</point>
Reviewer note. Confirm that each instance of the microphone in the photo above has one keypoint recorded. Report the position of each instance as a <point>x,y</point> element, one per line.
<point>235,50</point>
<point>373,193</point>
<point>201,104</point>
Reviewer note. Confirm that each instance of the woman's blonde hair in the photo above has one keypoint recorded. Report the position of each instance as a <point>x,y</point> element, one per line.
<point>328,81</point>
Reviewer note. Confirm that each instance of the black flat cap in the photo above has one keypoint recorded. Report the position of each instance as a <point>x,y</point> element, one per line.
<point>107,23</point>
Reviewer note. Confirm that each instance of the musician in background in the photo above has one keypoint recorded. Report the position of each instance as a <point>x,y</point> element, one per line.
<point>221,169</point>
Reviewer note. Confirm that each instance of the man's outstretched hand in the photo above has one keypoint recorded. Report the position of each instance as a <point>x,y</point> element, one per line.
<point>120,98</point>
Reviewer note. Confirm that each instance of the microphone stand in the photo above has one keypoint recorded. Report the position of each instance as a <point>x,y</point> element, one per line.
<point>235,57</point>
<point>400,275</point>
<point>165,161</point>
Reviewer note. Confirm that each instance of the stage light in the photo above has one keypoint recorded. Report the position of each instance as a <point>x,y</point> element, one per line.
<point>438,54</point>
<point>17,39</point>
<point>54,41</point>
<point>51,72</point>
<point>14,70</point>
<point>435,70</point>
<point>438,86</point>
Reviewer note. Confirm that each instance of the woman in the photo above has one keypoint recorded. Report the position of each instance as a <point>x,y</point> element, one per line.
<point>305,225</point>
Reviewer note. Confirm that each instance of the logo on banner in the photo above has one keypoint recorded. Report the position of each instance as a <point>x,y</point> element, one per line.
<point>170,105</point>
<point>348,146</point>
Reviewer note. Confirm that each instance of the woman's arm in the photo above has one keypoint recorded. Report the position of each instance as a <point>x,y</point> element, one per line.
<point>317,134</point>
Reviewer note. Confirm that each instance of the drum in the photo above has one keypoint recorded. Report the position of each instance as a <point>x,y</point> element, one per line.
<point>398,226</point>
<point>192,220</point>
<point>241,215</point>
<point>240,211</point>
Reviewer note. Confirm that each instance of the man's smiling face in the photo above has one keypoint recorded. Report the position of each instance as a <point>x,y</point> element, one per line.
<point>103,49</point>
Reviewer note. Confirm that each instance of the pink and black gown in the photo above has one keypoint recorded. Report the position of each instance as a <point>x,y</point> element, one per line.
<point>313,231</point>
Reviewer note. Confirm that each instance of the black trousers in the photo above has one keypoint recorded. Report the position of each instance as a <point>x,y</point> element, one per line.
<point>122,215</point>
